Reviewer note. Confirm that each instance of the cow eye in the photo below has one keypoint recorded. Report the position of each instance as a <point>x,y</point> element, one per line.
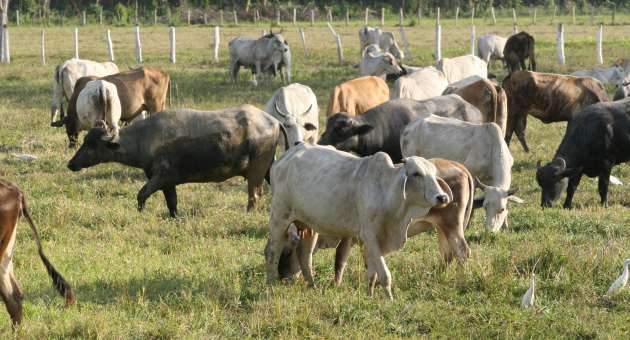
<point>416,174</point>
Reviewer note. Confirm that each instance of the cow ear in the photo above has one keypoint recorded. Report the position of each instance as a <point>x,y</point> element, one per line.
<point>310,127</point>
<point>570,172</point>
<point>515,199</point>
<point>442,183</point>
<point>362,129</point>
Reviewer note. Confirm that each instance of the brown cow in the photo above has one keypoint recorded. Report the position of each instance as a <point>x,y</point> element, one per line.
<point>548,97</point>
<point>449,221</point>
<point>141,89</point>
<point>12,206</point>
<point>357,95</point>
<point>489,98</point>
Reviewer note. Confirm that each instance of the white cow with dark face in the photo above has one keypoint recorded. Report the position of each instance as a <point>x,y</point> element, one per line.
<point>341,195</point>
<point>377,63</point>
<point>420,85</point>
<point>66,75</point>
<point>480,147</point>
<point>295,106</point>
<point>257,54</point>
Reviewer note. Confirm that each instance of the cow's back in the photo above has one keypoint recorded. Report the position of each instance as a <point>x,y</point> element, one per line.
<point>358,95</point>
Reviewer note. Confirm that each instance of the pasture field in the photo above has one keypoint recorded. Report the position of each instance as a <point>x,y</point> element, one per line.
<point>145,275</point>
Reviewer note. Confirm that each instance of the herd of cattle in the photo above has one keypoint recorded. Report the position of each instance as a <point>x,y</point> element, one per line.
<point>389,164</point>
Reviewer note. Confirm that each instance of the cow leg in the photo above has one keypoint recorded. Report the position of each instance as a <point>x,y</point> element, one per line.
<point>256,71</point>
<point>341,258</point>
<point>444,247</point>
<point>574,181</point>
<point>521,125</point>
<point>234,67</point>
<point>522,64</point>
<point>154,184</point>
<point>602,186</point>
<point>305,255</point>
<point>377,263</point>
<point>9,289</point>
<point>170,195</point>
<point>275,245</point>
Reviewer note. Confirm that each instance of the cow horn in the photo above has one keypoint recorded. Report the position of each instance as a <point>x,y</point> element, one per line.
<point>560,162</point>
<point>480,184</point>
<point>275,103</point>
<point>307,110</point>
<point>404,185</point>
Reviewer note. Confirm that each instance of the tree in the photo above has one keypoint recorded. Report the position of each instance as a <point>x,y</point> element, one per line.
<point>4,22</point>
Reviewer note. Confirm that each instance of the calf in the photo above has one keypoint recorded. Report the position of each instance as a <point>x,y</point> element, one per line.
<point>519,47</point>
<point>187,146</point>
<point>338,194</point>
<point>488,97</point>
<point>65,78</point>
<point>358,95</point>
<point>597,139</point>
<point>12,206</point>
<point>139,90</point>
<point>479,147</point>
<point>420,85</point>
<point>458,68</point>
<point>379,129</point>
<point>376,62</point>
<point>548,97</point>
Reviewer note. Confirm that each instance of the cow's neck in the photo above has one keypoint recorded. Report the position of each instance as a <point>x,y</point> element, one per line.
<point>127,153</point>
<point>501,177</point>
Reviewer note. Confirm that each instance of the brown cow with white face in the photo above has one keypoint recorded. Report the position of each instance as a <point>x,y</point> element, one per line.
<point>548,97</point>
<point>357,95</point>
<point>12,206</point>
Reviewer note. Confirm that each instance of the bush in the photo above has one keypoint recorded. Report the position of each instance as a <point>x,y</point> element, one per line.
<point>121,13</point>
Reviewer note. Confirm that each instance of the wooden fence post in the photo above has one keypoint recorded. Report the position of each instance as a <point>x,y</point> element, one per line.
<point>83,19</point>
<point>303,40</point>
<point>437,16</point>
<point>17,17</point>
<point>494,18</point>
<point>138,45</point>
<point>278,17</point>
<point>43,45</point>
<point>338,41</point>
<point>294,16</point>
<point>6,49</point>
<point>155,17</point>
<point>534,17</point>
<point>188,17</point>
<point>472,16</point>
<point>560,44</point>
<point>438,42</point>
<point>329,16</point>
<point>110,46</point>
<point>347,16</point>
<point>100,16</point>
<point>205,18</point>
<point>367,16</point>
<point>472,39</point>
<point>573,13</point>
<point>171,38</point>
<point>401,17</point>
<point>76,42</point>
<point>217,41</point>
<point>235,18</point>
<point>513,16</point>
<point>382,16</point>
<point>419,14</point>
<point>600,41</point>
<point>221,17</point>
<point>457,16</point>
<point>312,17</point>
<point>256,16</point>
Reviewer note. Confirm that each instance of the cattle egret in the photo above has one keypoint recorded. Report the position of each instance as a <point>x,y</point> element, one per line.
<point>621,281</point>
<point>24,156</point>
<point>615,181</point>
<point>528,298</point>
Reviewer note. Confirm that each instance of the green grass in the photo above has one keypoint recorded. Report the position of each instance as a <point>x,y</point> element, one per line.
<point>144,275</point>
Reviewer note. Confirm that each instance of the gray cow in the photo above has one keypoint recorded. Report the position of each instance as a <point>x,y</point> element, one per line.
<point>265,54</point>
<point>187,146</point>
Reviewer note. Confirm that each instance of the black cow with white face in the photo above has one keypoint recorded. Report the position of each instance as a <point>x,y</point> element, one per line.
<point>597,139</point>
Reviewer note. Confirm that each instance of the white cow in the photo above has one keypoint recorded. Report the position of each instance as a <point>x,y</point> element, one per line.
<point>375,62</point>
<point>67,74</point>
<point>611,75</point>
<point>295,106</point>
<point>385,40</point>
<point>480,147</point>
<point>98,105</point>
<point>257,54</point>
<point>419,85</point>
<point>458,68</point>
<point>341,195</point>
<point>490,47</point>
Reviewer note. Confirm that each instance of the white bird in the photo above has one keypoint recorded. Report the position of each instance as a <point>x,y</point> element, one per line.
<point>528,298</point>
<point>615,181</point>
<point>621,281</point>
<point>24,156</point>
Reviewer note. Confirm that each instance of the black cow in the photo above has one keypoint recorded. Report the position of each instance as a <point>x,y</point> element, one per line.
<point>519,47</point>
<point>597,139</point>
<point>186,146</point>
<point>379,128</point>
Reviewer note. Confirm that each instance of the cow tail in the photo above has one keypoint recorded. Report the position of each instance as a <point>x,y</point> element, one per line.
<point>494,93</point>
<point>59,282</point>
<point>502,109</point>
<point>471,198</point>
<point>103,101</point>
<point>333,102</point>
<point>168,90</point>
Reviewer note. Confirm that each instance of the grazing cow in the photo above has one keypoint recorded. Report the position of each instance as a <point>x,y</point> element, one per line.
<point>405,70</point>
<point>423,84</point>
<point>519,47</point>
<point>375,62</point>
<point>379,129</point>
<point>385,40</point>
<point>458,68</point>
<point>65,77</point>
<point>139,90</point>
<point>480,147</point>
<point>187,146</point>
<point>449,221</point>
<point>257,54</point>
<point>278,63</point>
<point>490,47</point>
<point>341,195</point>
<point>488,97</point>
<point>623,90</point>
<point>611,75</point>
<point>295,106</point>
<point>12,206</point>
<point>548,97</point>
<point>357,95</point>
<point>597,139</point>
<point>98,105</point>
